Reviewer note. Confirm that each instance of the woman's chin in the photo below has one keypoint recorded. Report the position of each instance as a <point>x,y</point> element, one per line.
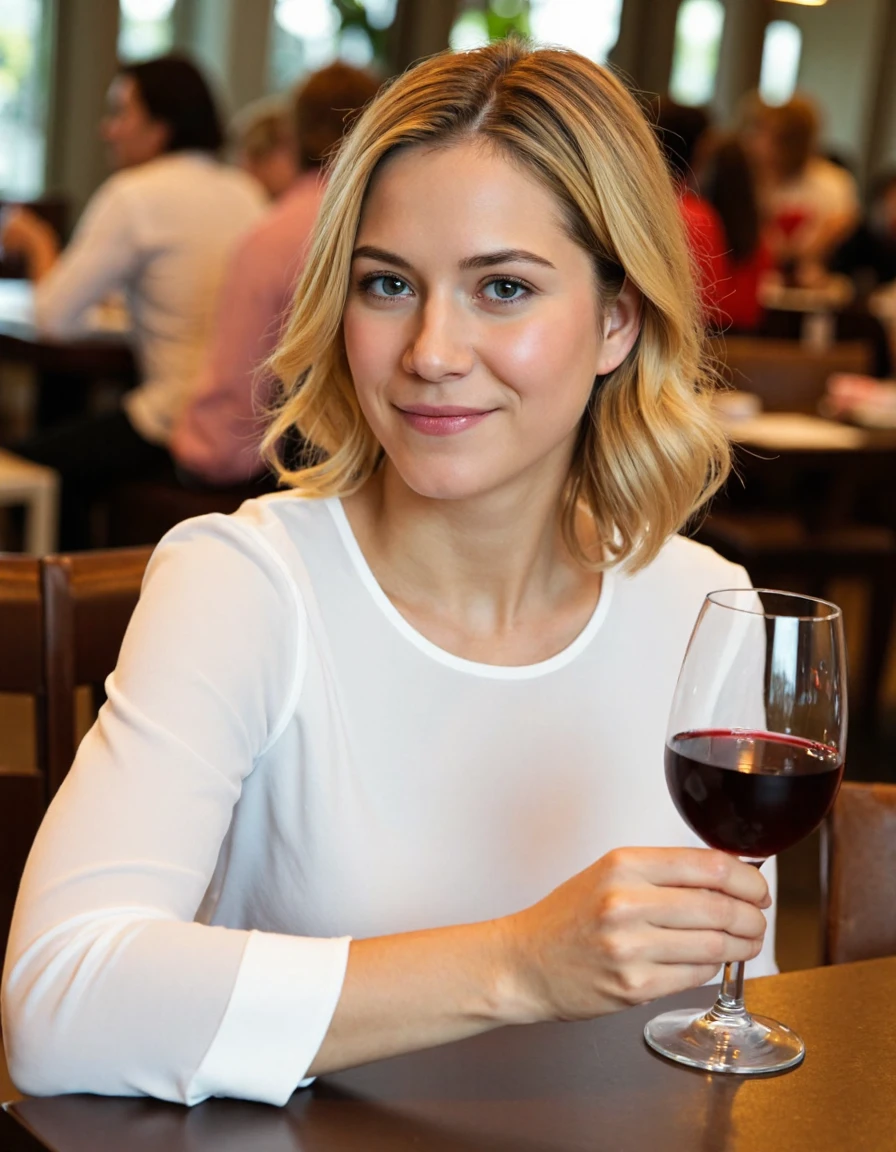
<point>441,483</point>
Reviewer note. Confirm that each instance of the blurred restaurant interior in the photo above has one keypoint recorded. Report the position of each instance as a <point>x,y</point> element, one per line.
<point>778,119</point>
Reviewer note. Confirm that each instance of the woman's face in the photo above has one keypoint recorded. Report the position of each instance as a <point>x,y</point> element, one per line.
<point>473,327</point>
<point>131,135</point>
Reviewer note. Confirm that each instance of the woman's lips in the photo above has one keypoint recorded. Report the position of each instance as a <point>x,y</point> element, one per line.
<point>444,421</point>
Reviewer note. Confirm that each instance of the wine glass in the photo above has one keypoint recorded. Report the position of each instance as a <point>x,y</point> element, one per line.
<point>754,758</point>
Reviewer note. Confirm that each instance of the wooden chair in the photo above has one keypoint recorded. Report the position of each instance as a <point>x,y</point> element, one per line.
<point>859,874</point>
<point>22,790</point>
<point>785,374</point>
<point>88,599</point>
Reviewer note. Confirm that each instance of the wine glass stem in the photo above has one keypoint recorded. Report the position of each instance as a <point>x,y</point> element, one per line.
<point>730,1002</point>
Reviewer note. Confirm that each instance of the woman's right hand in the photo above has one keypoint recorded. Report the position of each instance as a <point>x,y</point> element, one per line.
<point>638,924</point>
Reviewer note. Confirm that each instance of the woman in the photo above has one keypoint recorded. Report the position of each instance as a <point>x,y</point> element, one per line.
<point>160,230</point>
<point>363,733</point>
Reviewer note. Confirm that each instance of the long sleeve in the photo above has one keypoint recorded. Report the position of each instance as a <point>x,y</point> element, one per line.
<point>110,986</point>
<point>102,256</point>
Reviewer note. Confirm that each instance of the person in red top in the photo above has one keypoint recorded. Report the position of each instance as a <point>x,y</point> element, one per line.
<point>728,183</point>
<point>679,130</point>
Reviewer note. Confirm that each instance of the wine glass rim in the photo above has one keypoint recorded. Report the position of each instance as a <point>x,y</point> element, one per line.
<point>833,612</point>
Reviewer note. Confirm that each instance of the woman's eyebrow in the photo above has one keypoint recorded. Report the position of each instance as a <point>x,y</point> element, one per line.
<point>371,253</point>
<point>504,256</point>
<point>486,260</point>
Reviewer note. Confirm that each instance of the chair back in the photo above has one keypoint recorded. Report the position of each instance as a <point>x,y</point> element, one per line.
<point>22,789</point>
<point>785,374</point>
<point>88,600</point>
<point>859,874</point>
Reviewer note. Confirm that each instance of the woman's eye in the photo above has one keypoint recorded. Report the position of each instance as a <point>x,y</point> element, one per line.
<point>385,286</point>
<point>504,290</point>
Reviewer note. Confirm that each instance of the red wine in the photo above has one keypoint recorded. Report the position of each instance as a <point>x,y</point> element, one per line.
<point>751,793</point>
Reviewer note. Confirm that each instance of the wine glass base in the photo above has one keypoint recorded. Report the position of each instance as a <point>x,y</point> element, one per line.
<point>741,1044</point>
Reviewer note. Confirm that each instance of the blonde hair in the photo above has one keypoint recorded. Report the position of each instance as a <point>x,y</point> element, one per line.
<point>649,452</point>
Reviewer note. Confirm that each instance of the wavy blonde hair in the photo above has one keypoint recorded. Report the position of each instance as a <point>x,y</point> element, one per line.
<point>649,452</point>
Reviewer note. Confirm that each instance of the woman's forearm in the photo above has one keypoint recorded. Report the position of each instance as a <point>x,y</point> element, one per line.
<point>419,989</point>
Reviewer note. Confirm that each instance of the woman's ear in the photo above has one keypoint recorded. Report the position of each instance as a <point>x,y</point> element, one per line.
<point>621,325</point>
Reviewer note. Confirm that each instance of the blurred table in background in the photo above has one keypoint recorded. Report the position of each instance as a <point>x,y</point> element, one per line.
<point>63,369</point>
<point>547,1088</point>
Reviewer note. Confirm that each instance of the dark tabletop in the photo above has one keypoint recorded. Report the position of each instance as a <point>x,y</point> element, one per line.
<point>97,353</point>
<point>555,1087</point>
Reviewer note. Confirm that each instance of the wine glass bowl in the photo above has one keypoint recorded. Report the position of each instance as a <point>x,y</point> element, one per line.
<point>754,757</point>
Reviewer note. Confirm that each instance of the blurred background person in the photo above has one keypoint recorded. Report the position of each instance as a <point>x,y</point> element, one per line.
<point>682,133</point>
<point>726,180</point>
<point>160,230</point>
<point>868,254</point>
<point>216,439</point>
<point>809,203</point>
<point>262,136</point>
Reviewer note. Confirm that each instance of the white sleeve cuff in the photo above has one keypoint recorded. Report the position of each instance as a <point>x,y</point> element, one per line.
<point>284,998</point>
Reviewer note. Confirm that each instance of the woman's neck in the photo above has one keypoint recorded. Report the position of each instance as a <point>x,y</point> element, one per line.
<point>489,578</point>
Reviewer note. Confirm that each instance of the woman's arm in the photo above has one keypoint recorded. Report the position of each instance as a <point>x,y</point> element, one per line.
<point>103,256</point>
<point>639,924</point>
<point>109,986</point>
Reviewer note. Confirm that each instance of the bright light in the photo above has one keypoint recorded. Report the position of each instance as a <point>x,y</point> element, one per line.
<point>146,10</point>
<point>307,19</point>
<point>698,37</point>
<point>591,28</point>
<point>470,31</point>
<point>380,13</point>
<point>780,61</point>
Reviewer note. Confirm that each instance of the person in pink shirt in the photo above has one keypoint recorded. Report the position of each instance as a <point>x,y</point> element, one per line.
<point>216,440</point>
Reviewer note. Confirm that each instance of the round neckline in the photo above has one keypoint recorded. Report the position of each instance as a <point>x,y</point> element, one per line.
<point>442,656</point>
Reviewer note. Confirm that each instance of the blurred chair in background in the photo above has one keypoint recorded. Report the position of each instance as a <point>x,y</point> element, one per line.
<point>22,790</point>
<point>859,874</point>
<point>88,599</point>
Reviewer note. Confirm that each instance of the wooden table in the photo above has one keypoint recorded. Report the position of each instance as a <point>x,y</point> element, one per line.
<point>547,1088</point>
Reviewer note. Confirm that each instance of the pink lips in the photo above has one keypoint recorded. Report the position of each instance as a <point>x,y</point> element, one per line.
<point>442,421</point>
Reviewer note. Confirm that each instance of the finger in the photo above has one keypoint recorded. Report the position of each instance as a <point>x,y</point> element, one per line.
<point>703,909</point>
<point>670,947</point>
<point>700,868</point>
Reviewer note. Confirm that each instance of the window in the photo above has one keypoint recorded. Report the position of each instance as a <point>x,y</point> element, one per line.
<point>591,28</point>
<point>698,37</point>
<point>781,51</point>
<point>145,28</point>
<point>24,90</point>
<point>308,34</point>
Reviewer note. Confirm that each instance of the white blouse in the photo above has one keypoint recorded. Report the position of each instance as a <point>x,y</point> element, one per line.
<point>162,233</point>
<point>284,763</point>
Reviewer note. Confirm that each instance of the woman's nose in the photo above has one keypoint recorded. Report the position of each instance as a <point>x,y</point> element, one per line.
<point>440,347</point>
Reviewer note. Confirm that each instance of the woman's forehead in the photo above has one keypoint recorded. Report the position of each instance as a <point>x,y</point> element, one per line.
<point>467,182</point>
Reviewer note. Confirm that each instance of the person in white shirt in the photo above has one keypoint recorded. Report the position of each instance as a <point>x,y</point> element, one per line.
<point>809,203</point>
<point>381,764</point>
<point>161,231</point>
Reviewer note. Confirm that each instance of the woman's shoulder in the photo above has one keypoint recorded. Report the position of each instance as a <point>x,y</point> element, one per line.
<point>684,564</point>
<point>271,532</point>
